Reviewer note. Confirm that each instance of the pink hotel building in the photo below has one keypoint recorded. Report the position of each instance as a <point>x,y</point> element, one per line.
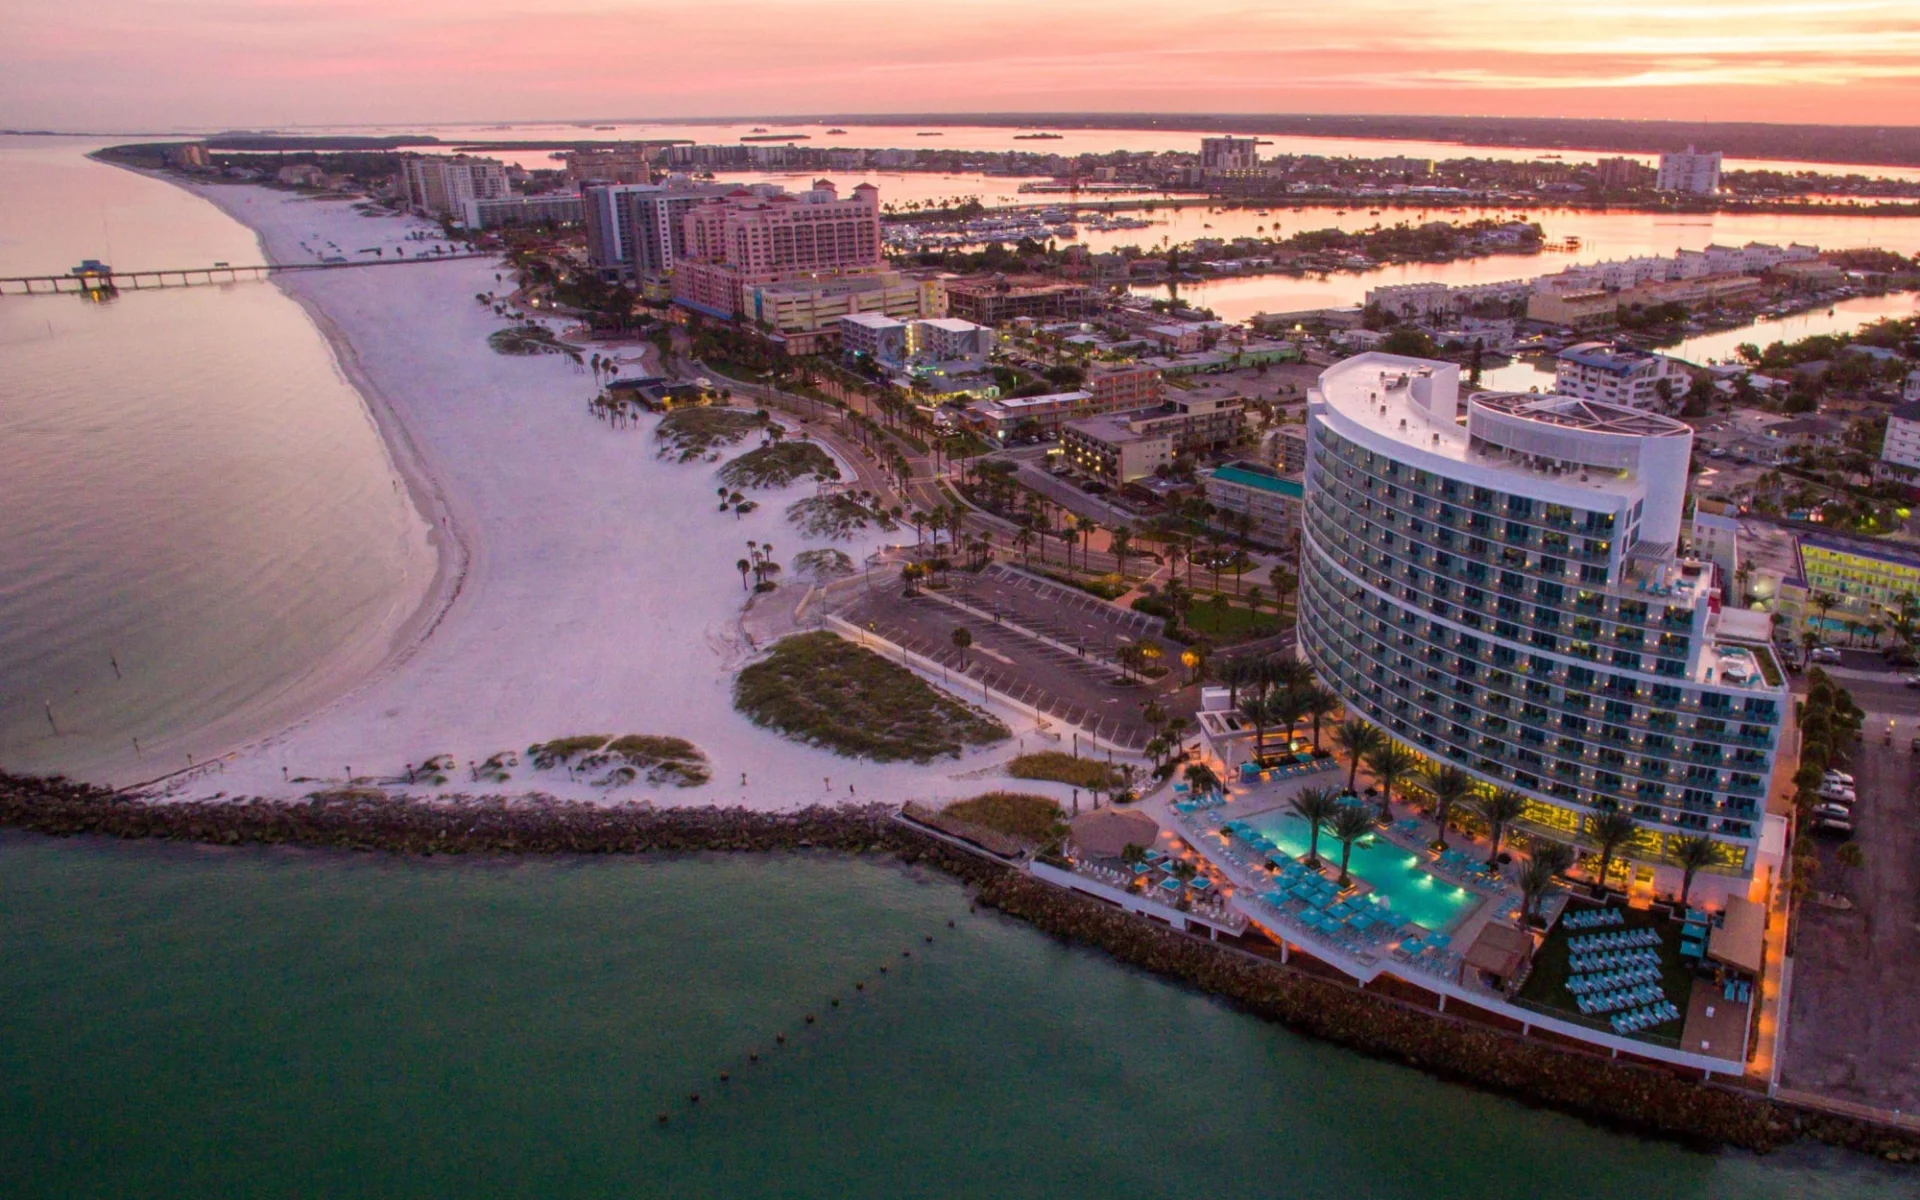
<point>743,238</point>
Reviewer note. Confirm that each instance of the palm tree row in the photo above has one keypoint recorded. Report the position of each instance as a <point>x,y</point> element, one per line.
<point>1276,691</point>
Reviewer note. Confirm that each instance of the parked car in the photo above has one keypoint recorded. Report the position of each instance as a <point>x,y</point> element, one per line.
<point>1839,777</point>
<point>1834,826</point>
<point>1832,812</point>
<point>1824,654</point>
<point>1836,795</point>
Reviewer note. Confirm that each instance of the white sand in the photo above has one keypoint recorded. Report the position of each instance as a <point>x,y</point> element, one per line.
<point>589,587</point>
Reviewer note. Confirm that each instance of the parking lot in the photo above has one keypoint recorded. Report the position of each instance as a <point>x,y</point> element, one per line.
<point>1053,610</point>
<point>1853,1029</point>
<point>1031,653</point>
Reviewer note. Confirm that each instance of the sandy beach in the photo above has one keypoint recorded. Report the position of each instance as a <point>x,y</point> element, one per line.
<point>583,585</point>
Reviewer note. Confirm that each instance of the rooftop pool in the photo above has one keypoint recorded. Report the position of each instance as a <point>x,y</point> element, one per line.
<point>1411,893</point>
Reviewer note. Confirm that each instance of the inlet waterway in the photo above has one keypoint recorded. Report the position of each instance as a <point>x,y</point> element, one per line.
<point>198,518</point>
<point>262,1023</point>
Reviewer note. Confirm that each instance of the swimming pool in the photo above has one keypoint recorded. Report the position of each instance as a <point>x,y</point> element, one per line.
<point>1412,894</point>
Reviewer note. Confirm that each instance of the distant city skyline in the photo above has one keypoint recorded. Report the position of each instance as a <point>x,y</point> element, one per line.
<point>159,64</point>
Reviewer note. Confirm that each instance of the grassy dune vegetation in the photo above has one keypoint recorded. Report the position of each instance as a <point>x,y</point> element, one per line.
<point>821,690</point>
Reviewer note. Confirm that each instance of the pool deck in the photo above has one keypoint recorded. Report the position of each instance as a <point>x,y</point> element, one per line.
<point>1365,959</point>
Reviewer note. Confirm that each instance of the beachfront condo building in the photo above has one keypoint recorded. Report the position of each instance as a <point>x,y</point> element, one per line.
<point>1494,580</point>
<point>748,238</point>
<point>636,231</point>
<point>439,185</point>
<point>1689,171</point>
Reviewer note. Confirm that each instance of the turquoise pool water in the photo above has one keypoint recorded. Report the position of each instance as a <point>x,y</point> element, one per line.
<point>1412,894</point>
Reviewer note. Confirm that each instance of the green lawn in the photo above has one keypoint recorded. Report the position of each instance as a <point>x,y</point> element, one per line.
<point>1222,623</point>
<point>1546,986</point>
<point>819,689</point>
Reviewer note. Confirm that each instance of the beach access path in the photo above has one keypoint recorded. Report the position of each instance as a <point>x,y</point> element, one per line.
<point>588,587</point>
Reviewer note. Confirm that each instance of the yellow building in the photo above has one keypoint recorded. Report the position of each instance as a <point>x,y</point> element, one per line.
<point>1867,579</point>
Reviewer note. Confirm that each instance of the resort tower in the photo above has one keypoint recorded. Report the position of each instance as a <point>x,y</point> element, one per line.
<point>1493,580</point>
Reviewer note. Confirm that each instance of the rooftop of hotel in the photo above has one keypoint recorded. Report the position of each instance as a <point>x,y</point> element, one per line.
<point>1389,395</point>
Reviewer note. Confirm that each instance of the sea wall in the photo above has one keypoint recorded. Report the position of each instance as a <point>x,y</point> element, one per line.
<point>1644,1098</point>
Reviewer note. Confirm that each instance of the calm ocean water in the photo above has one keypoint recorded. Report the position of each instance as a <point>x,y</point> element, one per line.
<point>189,488</point>
<point>258,1023</point>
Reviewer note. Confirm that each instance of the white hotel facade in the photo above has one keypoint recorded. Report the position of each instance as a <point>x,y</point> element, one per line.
<point>1502,594</point>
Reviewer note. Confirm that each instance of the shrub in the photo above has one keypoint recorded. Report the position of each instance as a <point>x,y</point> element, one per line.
<point>1031,818</point>
<point>1057,766</point>
<point>818,689</point>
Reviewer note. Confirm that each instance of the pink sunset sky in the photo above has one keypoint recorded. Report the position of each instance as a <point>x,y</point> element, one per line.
<point>158,64</point>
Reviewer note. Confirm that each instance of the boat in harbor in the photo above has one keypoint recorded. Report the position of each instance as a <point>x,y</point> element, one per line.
<point>832,131</point>
<point>936,133</point>
<point>1038,137</point>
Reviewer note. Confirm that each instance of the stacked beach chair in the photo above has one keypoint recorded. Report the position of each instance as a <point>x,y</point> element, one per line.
<point>1616,973</point>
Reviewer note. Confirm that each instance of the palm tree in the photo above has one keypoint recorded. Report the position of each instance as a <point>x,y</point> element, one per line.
<point>1201,778</point>
<point>1358,739</point>
<point>1254,708</point>
<point>1390,762</point>
<point>1318,703</point>
<point>1237,673</point>
<point>744,567</point>
<point>1692,853</point>
<point>1286,708</point>
<point>1824,601</point>
<point>1448,786</point>
<point>1120,541</point>
<point>1546,860</point>
<point>1609,827</point>
<point>1023,542</point>
<point>1318,806</point>
<point>1501,807</point>
<point>1350,824</point>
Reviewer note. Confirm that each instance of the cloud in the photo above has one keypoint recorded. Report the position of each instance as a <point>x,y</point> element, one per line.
<point>135,63</point>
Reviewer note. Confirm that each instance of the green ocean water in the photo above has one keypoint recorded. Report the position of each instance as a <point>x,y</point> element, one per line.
<point>249,1023</point>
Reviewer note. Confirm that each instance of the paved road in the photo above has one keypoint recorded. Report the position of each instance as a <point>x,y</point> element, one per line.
<point>1854,1029</point>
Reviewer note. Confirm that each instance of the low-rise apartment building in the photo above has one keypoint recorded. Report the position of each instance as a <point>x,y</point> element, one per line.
<point>1900,450</point>
<point>558,208</point>
<point>1580,311</point>
<point>1124,447</point>
<point>993,300</point>
<point>1266,502</point>
<point>1619,374</point>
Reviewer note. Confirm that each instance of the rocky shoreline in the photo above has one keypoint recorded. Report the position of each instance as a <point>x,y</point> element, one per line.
<point>1641,1098</point>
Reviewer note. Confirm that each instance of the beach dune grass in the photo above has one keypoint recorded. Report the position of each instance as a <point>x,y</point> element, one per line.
<point>778,465</point>
<point>837,516</point>
<point>819,689</point>
<point>692,432</point>
<point>1057,766</point>
<point>530,338</point>
<point>1034,819</point>
<point>663,759</point>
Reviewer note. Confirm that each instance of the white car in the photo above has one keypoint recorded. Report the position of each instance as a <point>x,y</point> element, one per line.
<point>1833,825</point>
<point>1839,777</point>
<point>1836,795</point>
<point>1831,812</point>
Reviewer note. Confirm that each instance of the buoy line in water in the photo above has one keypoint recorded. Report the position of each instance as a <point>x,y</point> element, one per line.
<point>724,1077</point>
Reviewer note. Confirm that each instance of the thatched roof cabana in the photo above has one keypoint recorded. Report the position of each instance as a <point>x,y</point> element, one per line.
<point>1107,832</point>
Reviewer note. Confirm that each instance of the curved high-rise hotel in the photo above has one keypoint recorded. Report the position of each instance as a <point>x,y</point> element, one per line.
<point>1493,579</point>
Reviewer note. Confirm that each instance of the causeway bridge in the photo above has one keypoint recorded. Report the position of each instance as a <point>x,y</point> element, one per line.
<point>217,275</point>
